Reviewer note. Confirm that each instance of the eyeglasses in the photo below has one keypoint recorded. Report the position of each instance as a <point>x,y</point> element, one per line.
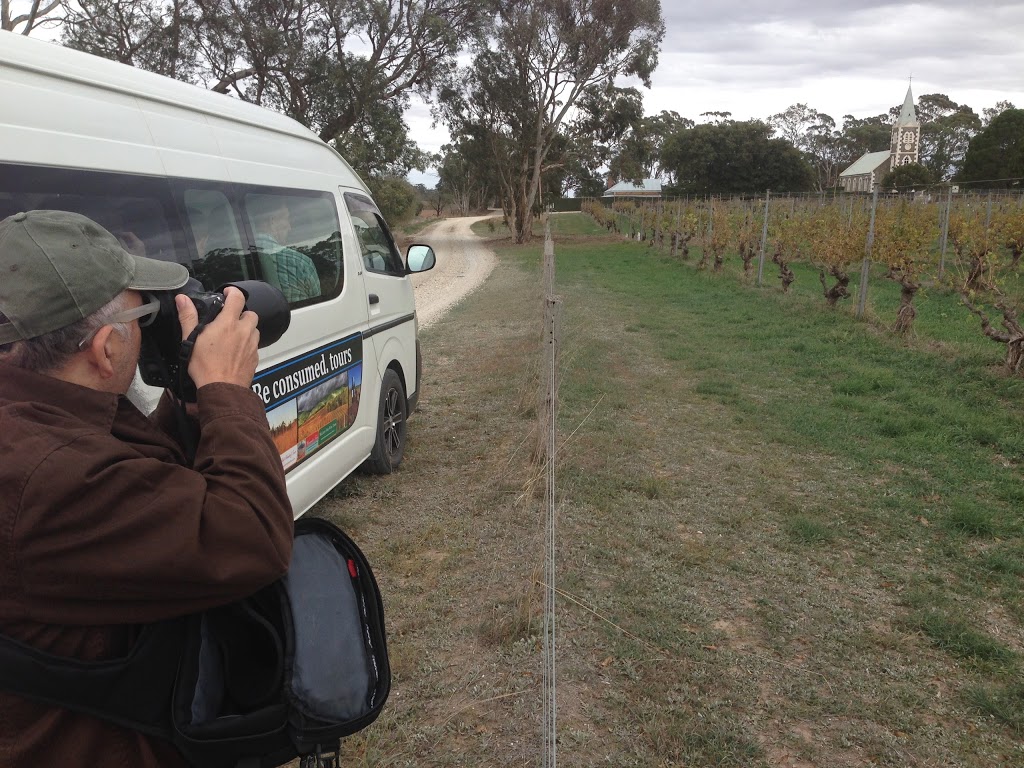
<point>145,314</point>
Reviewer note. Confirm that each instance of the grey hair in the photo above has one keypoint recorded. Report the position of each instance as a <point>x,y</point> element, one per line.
<point>52,351</point>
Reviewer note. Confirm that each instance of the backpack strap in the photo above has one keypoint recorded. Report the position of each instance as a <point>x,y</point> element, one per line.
<point>133,691</point>
<point>321,759</point>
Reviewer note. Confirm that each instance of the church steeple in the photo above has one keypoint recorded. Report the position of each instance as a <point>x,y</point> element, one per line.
<point>906,135</point>
<point>908,115</point>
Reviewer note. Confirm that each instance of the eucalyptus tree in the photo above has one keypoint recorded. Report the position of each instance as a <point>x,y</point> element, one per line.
<point>814,134</point>
<point>528,76</point>
<point>325,63</point>
<point>605,116</point>
<point>637,154</point>
<point>466,176</point>
<point>988,114</point>
<point>739,157</point>
<point>154,35</point>
<point>340,68</point>
<point>864,134</point>
<point>996,155</point>
<point>24,16</point>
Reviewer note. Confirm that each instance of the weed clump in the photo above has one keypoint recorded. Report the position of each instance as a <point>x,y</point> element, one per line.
<point>806,530</point>
<point>955,636</point>
<point>1005,704</point>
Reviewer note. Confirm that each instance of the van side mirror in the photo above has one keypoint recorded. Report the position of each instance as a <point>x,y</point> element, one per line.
<point>420,258</point>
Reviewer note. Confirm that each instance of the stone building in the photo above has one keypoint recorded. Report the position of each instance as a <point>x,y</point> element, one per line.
<point>904,148</point>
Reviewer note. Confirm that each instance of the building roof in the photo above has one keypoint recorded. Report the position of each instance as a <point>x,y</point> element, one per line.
<point>908,115</point>
<point>867,163</point>
<point>628,187</point>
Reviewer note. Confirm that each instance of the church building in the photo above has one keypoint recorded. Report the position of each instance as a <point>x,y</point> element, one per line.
<point>871,167</point>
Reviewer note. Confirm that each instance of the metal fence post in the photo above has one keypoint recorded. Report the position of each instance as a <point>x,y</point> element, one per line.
<point>764,238</point>
<point>945,233</point>
<point>862,299</point>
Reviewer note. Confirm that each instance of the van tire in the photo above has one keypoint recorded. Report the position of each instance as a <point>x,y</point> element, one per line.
<point>392,425</point>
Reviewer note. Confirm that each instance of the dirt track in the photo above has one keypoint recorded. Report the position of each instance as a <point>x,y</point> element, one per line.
<point>463,263</point>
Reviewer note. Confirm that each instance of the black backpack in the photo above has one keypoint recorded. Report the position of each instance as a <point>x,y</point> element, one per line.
<point>284,673</point>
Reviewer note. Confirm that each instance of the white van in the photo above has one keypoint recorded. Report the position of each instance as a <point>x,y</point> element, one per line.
<point>234,192</point>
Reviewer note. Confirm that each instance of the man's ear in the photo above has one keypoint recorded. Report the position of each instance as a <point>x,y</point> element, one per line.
<point>100,351</point>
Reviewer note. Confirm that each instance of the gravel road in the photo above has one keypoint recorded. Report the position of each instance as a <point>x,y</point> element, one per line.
<point>463,263</point>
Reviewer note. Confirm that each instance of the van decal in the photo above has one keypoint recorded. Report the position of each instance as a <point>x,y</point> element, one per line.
<point>312,399</point>
<point>389,325</point>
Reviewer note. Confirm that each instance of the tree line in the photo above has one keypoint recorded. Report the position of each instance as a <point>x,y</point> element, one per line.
<point>801,149</point>
<point>348,70</point>
<point>526,88</point>
<point>797,150</point>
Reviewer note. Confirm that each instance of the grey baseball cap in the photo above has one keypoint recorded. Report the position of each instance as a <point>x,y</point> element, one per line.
<point>57,268</point>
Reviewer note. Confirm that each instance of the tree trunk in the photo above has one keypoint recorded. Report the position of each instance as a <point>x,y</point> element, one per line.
<point>785,273</point>
<point>747,255</point>
<point>1015,354</point>
<point>906,313</point>
<point>519,215</point>
<point>839,290</point>
<point>974,280</point>
<point>1016,251</point>
<point>719,254</point>
<point>1015,345</point>
<point>1013,337</point>
<point>704,254</point>
<point>522,223</point>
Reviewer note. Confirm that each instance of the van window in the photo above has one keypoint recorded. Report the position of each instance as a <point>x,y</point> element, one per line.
<point>221,255</point>
<point>298,243</point>
<point>137,210</point>
<point>293,239</point>
<point>375,241</point>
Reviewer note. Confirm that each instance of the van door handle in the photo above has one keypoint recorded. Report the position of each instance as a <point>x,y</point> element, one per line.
<point>374,298</point>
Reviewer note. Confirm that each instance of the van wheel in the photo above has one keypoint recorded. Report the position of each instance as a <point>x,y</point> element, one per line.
<point>392,423</point>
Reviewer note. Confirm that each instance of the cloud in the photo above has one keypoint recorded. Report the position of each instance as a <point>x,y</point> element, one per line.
<point>755,59</point>
<point>841,57</point>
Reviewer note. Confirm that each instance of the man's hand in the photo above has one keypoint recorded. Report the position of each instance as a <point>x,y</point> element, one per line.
<point>226,350</point>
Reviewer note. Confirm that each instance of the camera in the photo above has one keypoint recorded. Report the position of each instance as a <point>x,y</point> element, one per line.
<point>164,359</point>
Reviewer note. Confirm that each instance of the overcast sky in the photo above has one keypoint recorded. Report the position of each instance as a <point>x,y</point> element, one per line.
<point>841,57</point>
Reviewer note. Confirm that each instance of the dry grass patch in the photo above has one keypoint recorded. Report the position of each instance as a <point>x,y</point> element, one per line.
<point>731,596</point>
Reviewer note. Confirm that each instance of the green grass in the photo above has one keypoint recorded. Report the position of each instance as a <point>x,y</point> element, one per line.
<point>808,531</point>
<point>956,636</point>
<point>933,419</point>
<point>1004,703</point>
<point>929,428</point>
<point>823,379</point>
<point>785,537</point>
<point>410,228</point>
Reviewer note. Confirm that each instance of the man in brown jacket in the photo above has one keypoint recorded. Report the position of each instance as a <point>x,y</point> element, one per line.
<point>104,525</point>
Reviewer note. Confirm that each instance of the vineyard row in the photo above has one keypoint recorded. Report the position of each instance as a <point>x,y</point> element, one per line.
<point>970,245</point>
